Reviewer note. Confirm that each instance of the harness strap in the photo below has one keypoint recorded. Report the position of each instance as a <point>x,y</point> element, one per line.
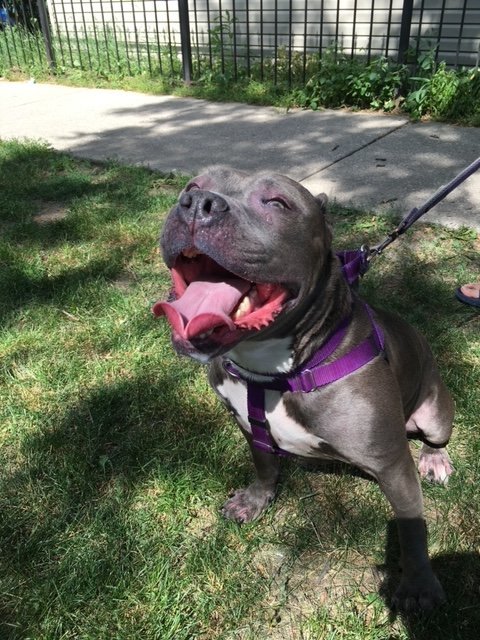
<point>261,437</point>
<point>354,264</point>
<point>320,376</point>
<point>313,375</point>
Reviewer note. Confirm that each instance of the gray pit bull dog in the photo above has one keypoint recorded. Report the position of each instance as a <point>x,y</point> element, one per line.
<point>257,291</point>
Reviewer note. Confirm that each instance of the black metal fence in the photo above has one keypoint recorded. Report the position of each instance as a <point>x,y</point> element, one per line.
<point>268,39</point>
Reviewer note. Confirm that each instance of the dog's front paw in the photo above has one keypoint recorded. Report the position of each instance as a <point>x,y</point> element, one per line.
<point>418,594</point>
<point>247,504</point>
<point>435,465</point>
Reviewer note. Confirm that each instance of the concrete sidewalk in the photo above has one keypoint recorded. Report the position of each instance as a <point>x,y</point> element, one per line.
<point>364,160</point>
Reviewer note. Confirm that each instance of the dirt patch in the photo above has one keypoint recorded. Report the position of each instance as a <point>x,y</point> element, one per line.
<point>300,586</point>
<point>124,281</point>
<point>50,212</point>
<point>201,523</point>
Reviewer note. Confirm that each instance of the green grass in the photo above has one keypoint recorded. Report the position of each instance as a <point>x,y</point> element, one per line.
<point>115,456</point>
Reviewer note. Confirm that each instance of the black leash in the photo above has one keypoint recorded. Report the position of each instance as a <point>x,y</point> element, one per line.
<point>416,213</point>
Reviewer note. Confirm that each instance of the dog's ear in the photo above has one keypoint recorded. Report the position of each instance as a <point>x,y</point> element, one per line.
<point>322,200</point>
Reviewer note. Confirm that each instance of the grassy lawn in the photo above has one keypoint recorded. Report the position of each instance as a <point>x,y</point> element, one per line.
<point>115,456</point>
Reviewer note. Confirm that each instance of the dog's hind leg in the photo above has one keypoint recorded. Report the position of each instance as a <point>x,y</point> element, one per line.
<point>419,588</point>
<point>433,419</point>
<point>434,464</point>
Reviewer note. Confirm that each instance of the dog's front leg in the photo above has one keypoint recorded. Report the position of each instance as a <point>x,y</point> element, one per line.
<point>419,588</point>
<point>249,503</point>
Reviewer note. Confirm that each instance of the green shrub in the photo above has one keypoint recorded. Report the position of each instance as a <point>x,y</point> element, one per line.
<point>444,94</point>
<point>345,81</point>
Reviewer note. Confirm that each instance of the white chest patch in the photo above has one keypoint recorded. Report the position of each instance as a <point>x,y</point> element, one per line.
<point>287,433</point>
<point>268,356</point>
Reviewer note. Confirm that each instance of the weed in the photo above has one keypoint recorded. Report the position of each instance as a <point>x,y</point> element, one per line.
<point>443,93</point>
<point>345,81</point>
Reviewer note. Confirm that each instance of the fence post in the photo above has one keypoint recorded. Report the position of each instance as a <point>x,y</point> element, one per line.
<point>47,34</point>
<point>405,30</point>
<point>185,41</point>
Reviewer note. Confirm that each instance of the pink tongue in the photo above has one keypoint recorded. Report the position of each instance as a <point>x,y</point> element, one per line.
<point>204,305</point>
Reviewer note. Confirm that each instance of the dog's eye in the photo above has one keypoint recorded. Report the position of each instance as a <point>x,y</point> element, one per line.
<point>279,203</point>
<point>191,186</point>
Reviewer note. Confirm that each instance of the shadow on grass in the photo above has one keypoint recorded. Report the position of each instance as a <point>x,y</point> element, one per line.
<point>19,288</point>
<point>98,204</point>
<point>459,574</point>
<point>66,509</point>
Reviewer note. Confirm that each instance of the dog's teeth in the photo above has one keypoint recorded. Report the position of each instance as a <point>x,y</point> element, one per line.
<point>206,334</point>
<point>242,308</point>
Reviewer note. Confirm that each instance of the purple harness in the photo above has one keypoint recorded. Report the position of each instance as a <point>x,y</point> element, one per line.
<point>314,373</point>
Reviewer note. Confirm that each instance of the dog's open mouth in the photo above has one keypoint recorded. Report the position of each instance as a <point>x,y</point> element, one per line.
<point>213,303</point>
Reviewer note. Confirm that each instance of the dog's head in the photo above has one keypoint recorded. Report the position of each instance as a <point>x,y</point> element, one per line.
<point>243,251</point>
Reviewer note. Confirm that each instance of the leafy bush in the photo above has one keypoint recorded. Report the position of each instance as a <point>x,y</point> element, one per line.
<point>442,93</point>
<point>377,85</point>
<point>345,81</point>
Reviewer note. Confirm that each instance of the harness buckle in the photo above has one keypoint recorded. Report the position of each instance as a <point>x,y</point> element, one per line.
<point>307,381</point>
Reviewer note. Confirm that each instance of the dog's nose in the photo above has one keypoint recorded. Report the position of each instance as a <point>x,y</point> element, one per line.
<point>201,205</point>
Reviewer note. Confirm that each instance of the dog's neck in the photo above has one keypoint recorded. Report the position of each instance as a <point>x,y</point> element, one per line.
<point>256,360</point>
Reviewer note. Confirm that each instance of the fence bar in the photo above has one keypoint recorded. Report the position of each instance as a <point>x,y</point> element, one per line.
<point>337,25</point>
<point>419,32</point>
<point>105,37</point>
<point>197,41</point>
<point>31,11</point>
<point>67,32</point>
<point>210,54</point>
<point>247,9</point>
<point>171,41</point>
<point>370,35</point>
<point>114,30</point>
<point>305,41</point>
<point>137,46</point>
<point>389,29</point>
<point>21,40</point>
<point>405,30</point>
<point>290,39</point>
<point>354,30</point>
<point>79,50</point>
<point>145,25</point>
<point>185,41</point>
<point>58,35</point>
<point>275,50</point>
<point>320,46</point>
<point>85,35</point>
<point>234,27</point>
<point>125,43</point>
<point>440,27</point>
<point>261,42</point>
<point>462,24</point>
<point>47,36</point>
